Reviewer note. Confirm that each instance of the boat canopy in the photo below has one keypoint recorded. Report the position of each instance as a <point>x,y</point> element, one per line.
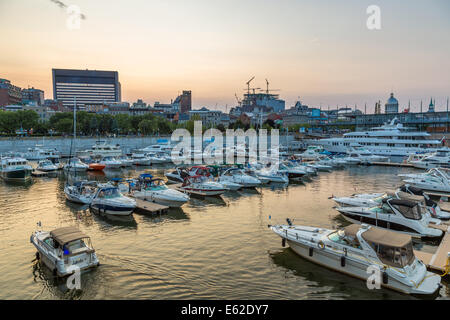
<point>386,238</point>
<point>352,230</point>
<point>67,234</point>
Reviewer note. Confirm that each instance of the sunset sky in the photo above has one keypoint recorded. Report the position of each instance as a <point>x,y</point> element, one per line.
<point>318,50</point>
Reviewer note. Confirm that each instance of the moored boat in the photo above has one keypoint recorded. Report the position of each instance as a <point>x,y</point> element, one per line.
<point>357,249</point>
<point>15,169</point>
<point>65,250</point>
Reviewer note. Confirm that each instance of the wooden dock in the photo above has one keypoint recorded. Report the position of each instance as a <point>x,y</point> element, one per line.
<point>147,207</point>
<point>393,164</point>
<point>437,261</point>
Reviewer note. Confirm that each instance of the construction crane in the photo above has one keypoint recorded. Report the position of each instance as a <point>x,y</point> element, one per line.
<point>267,87</point>
<point>237,99</point>
<point>248,84</point>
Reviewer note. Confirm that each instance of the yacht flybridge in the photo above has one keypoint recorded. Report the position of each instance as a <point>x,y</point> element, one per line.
<point>392,139</point>
<point>355,248</point>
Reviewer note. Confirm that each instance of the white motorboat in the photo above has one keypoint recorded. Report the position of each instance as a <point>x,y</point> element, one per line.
<point>15,169</point>
<point>365,156</point>
<point>102,149</point>
<point>373,200</point>
<point>125,161</point>
<point>354,249</point>
<point>231,185</point>
<point>439,210</point>
<point>109,200</point>
<point>238,176</point>
<point>65,250</point>
<point>435,180</point>
<point>319,167</point>
<point>401,216</point>
<point>157,158</point>
<point>313,152</point>
<point>273,175</point>
<point>202,186</point>
<point>439,159</point>
<point>155,190</point>
<point>293,172</point>
<point>46,166</point>
<point>75,165</point>
<point>111,163</point>
<point>80,192</point>
<point>178,175</point>
<point>140,159</point>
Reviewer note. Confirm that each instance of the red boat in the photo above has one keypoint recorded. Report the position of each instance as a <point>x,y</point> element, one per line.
<point>96,167</point>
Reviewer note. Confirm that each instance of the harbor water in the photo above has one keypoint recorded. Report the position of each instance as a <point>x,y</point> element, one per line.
<point>212,248</point>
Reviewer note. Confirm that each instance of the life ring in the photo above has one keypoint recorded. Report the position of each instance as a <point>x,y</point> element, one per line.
<point>321,245</point>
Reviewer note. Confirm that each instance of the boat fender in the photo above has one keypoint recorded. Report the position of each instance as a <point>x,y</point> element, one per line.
<point>385,277</point>
<point>321,245</point>
<point>38,256</point>
<point>343,260</point>
<point>311,251</point>
<point>283,242</point>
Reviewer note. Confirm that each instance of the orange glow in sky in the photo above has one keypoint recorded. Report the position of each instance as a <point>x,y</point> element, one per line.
<point>320,51</point>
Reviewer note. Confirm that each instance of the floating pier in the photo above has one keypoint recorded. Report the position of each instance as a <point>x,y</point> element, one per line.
<point>393,164</point>
<point>147,207</point>
<point>438,261</point>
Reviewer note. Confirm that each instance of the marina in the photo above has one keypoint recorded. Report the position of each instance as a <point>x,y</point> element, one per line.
<point>236,222</point>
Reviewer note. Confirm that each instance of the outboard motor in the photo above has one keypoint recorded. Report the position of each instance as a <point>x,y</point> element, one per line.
<point>289,222</point>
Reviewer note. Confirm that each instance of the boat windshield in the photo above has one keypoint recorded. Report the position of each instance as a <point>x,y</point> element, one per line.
<point>346,240</point>
<point>413,213</point>
<point>395,257</point>
<point>109,193</point>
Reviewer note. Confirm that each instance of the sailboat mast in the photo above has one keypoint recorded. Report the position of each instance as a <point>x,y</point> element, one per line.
<point>74,120</point>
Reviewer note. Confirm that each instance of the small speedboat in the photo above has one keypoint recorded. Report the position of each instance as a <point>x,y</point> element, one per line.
<point>155,190</point>
<point>46,166</point>
<point>273,175</point>
<point>356,248</point>
<point>96,167</point>
<point>178,175</point>
<point>109,200</point>
<point>202,186</point>
<point>293,172</point>
<point>64,250</point>
<point>140,159</point>
<point>437,180</point>
<point>75,165</point>
<point>111,163</point>
<point>125,161</point>
<point>373,200</point>
<point>401,216</point>
<point>238,176</point>
<point>80,192</point>
<point>157,158</point>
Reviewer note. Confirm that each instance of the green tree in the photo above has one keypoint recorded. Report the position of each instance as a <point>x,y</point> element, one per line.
<point>146,127</point>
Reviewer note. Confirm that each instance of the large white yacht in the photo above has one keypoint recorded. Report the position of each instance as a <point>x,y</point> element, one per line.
<point>102,149</point>
<point>391,139</point>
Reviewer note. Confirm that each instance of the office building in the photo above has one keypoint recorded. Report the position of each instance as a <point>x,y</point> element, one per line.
<point>87,86</point>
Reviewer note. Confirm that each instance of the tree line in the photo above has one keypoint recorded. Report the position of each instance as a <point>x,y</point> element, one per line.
<point>92,124</point>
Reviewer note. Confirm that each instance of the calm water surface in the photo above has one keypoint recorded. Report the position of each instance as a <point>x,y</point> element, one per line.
<point>211,249</point>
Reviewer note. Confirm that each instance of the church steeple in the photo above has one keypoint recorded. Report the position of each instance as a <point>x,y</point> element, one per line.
<point>431,106</point>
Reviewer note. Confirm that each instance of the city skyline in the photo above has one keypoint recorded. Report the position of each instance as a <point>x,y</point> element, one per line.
<point>213,48</point>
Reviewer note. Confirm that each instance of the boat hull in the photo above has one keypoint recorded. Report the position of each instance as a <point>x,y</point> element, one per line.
<point>19,175</point>
<point>355,268</point>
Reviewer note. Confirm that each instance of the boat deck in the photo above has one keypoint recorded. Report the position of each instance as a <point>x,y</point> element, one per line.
<point>443,195</point>
<point>438,260</point>
<point>147,207</point>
